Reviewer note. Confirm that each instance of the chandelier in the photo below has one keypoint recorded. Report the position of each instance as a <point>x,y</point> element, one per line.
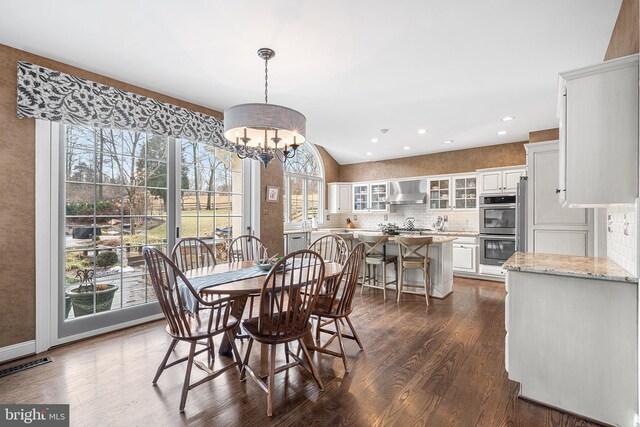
<point>264,131</point>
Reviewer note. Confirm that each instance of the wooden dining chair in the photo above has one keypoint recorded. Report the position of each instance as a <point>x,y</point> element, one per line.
<point>190,253</point>
<point>247,248</point>
<point>286,302</point>
<point>336,304</point>
<point>183,326</point>
<point>331,248</point>
<point>413,253</point>
<point>375,256</point>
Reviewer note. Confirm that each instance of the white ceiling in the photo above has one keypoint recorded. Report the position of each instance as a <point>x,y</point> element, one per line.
<point>352,67</point>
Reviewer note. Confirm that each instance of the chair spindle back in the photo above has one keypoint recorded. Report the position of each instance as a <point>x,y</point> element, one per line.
<point>288,296</point>
<point>167,279</point>
<point>331,248</point>
<point>190,253</point>
<point>247,248</point>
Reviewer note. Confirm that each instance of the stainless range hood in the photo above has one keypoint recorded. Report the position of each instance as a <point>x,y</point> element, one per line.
<point>407,192</point>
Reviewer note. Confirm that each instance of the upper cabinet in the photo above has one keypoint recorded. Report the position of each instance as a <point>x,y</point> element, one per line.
<point>370,197</point>
<point>598,112</point>
<point>339,198</point>
<point>439,193</point>
<point>465,192</point>
<point>500,180</point>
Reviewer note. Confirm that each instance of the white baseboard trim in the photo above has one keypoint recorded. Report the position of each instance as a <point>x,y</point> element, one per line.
<point>17,351</point>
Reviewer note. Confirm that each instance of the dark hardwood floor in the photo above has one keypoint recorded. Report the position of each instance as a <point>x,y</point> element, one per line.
<point>436,366</point>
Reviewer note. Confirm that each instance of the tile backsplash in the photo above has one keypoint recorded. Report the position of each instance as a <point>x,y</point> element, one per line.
<point>622,237</point>
<point>458,220</point>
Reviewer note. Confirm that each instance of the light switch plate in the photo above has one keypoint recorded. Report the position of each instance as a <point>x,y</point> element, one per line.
<point>386,217</point>
<point>328,217</point>
<point>355,217</point>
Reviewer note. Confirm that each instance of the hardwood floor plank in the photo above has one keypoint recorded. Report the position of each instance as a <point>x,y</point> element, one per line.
<point>441,365</point>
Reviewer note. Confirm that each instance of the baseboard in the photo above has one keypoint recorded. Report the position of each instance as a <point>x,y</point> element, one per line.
<point>17,351</point>
<point>479,276</point>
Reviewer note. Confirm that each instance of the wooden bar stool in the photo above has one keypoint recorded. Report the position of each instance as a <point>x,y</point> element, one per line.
<point>376,256</point>
<point>413,253</point>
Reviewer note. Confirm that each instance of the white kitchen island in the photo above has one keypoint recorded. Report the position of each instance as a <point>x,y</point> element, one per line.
<point>440,260</point>
<point>572,335</point>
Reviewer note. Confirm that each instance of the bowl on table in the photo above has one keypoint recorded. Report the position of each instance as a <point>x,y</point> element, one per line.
<point>266,265</point>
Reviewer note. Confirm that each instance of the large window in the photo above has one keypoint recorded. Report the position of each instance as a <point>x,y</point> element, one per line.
<point>119,195</point>
<point>304,184</point>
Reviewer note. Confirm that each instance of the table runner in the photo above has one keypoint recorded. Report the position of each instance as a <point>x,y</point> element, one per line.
<point>216,279</point>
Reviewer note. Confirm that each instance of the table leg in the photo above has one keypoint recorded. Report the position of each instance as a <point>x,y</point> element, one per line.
<point>236,311</point>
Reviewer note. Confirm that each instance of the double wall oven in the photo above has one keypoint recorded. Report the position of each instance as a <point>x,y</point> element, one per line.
<point>497,228</point>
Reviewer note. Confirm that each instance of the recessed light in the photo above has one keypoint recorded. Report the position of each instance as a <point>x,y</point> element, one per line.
<point>507,118</point>
<point>422,131</point>
<point>374,140</point>
<point>407,148</point>
<point>502,132</point>
<point>369,153</point>
<point>448,141</point>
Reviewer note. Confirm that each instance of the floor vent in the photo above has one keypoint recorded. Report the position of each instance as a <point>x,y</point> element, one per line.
<point>25,366</point>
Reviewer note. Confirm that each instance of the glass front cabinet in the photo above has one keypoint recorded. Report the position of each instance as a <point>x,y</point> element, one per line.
<point>439,193</point>
<point>465,192</point>
<point>370,197</point>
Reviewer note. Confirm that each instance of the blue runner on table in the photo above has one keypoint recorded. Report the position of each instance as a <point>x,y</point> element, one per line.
<point>199,283</point>
<point>210,280</point>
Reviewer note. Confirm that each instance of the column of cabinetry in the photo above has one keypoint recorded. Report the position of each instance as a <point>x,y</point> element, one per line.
<point>551,227</point>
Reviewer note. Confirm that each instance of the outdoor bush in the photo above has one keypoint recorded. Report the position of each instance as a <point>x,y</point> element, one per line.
<point>86,208</point>
<point>74,261</point>
<point>106,259</point>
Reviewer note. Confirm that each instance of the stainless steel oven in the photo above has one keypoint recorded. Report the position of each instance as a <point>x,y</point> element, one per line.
<point>496,249</point>
<point>498,214</point>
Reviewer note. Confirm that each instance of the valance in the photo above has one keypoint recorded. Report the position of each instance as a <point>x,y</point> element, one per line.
<point>52,95</point>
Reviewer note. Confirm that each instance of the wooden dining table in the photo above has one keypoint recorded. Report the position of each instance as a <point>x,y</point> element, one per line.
<point>241,289</point>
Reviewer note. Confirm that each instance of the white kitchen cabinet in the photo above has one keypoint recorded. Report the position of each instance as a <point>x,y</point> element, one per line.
<point>499,180</point>
<point>598,112</point>
<point>572,343</point>
<point>360,198</point>
<point>551,227</point>
<point>464,257</point>
<point>465,192</point>
<point>440,194</point>
<point>370,197</point>
<point>339,198</point>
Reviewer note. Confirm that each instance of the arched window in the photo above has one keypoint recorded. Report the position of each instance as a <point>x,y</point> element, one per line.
<point>304,185</point>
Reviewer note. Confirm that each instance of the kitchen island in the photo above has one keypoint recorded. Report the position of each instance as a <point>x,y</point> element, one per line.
<point>572,335</point>
<point>440,260</point>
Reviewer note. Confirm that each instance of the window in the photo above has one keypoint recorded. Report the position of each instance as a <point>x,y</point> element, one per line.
<point>304,185</point>
<point>211,200</point>
<point>117,191</point>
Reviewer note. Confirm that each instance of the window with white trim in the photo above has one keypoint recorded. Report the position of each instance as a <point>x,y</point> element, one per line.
<point>304,186</point>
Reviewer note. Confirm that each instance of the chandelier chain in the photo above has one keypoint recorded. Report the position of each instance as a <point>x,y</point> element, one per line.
<point>266,81</point>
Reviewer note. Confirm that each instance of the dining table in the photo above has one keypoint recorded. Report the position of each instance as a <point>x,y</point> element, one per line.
<point>240,289</point>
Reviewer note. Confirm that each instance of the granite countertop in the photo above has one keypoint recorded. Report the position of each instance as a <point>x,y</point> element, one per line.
<point>572,266</point>
<point>436,239</point>
<point>296,231</point>
<point>443,233</point>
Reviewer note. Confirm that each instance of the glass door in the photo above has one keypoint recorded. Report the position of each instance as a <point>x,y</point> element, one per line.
<point>121,191</point>
<point>465,193</point>
<point>360,197</point>
<point>439,194</point>
<point>113,192</point>
<point>378,196</point>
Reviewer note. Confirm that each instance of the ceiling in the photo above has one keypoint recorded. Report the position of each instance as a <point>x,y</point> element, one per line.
<point>454,68</point>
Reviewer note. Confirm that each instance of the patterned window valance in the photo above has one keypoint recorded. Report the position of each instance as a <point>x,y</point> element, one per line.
<point>48,94</point>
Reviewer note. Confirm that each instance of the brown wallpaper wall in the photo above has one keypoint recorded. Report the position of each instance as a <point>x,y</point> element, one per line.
<point>544,135</point>
<point>438,163</point>
<point>625,38</point>
<point>331,169</point>
<point>17,193</point>
<point>272,214</point>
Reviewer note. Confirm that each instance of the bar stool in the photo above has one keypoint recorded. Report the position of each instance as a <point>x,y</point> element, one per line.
<point>376,256</point>
<point>413,253</point>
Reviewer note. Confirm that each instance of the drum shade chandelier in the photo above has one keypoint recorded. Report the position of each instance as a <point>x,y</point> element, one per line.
<point>264,131</point>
